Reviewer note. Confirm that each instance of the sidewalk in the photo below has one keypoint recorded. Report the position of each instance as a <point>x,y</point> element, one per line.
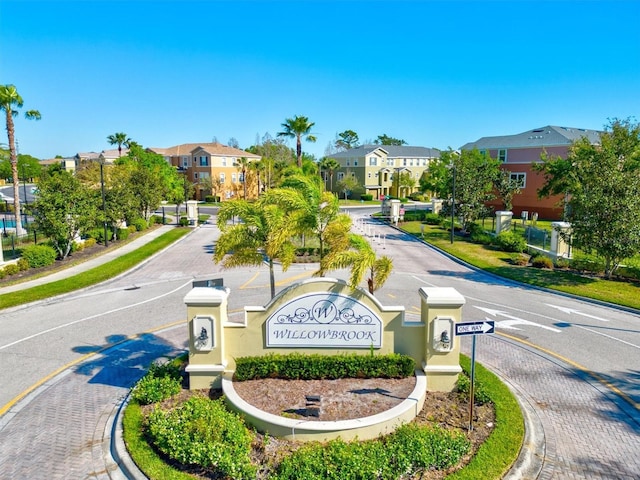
<point>89,264</point>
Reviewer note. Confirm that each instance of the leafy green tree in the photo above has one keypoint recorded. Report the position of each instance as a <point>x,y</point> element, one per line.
<point>474,175</point>
<point>153,179</point>
<point>405,183</point>
<point>119,139</point>
<point>436,179</point>
<point>362,259</point>
<point>64,208</point>
<point>346,140</point>
<point>331,166</point>
<point>298,127</point>
<point>603,186</point>
<point>10,102</point>
<point>507,188</point>
<point>348,184</point>
<point>385,139</point>
<point>263,235</point>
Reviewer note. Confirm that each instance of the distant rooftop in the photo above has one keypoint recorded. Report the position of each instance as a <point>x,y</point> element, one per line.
<point>214,148</point>
<point>539,137</point>
<point>393,151</point>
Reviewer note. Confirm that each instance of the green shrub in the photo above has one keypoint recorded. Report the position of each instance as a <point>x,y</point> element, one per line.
<point>98,234</point>
<point>588,264</point>
<point>432,219</point>
<point>480,394</point>
<point>482,238</point>
<point>520,259</point>
<point>297,366</point>
<point>417,197</point>
<point>409,449</point>
<point>39,255</point>
<point>11,269</point>
<point>123,233</point>
<point>562,263</point>
<point>367,197</point>
<point>140,224</point>
<point>541,261</point>
<point>3,273</point>
<point>155,219</point>
<point>212,199</point>
<point>23,264</point>
<point>89,242</point>
<point>184,221</point>
<point>203,432</point>
<point>510,242</point>
<point>160,383</point>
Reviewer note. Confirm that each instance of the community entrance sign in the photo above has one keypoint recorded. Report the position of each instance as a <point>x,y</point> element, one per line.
<point>324,320</point>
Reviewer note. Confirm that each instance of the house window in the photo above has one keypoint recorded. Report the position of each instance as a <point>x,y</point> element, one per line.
<point>502,155</point>
<point>195,175</point>
<point>224,161</point>
<point>222,177</point>
<point>340,176</point>
<point>369,175</point>
<point>204,161</point>
<point>185,162</point>
<point>404,162</point>
<point>348,162</point>
<point>203,175</point>
<point>373,161</point>
<point>233,178</point>
<point>519,178</point>
<point>355,163</point>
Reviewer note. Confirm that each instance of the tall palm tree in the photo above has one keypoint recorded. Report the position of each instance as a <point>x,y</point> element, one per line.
<point>119,139</point>
<point>362,259</point>
<point>298,127</point>
<point>10,99</point>
<point>243,164</point>
<point>331,166</point>
<point>263,235</point>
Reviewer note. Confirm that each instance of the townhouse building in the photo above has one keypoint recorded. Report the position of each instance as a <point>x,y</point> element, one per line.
<point>220,163</point>
<point>377,168</point>
<point>519,152</point>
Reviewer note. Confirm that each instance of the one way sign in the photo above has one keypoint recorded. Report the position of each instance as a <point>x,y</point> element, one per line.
<point>475,328</point>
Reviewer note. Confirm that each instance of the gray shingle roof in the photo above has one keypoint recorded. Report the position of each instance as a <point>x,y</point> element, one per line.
<point>538,137</point>
<point>393,151</point>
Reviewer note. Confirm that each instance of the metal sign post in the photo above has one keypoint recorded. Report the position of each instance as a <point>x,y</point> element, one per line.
<point>474,328</point>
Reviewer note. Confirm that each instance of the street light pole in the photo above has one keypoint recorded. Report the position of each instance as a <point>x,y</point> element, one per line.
<point>104,204</point>
<point>453,199</point>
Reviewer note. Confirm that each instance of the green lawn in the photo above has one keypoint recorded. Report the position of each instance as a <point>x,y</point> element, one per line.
<point>490,259</point>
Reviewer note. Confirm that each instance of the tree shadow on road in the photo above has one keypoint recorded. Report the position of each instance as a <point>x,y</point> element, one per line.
<point>124,361</point>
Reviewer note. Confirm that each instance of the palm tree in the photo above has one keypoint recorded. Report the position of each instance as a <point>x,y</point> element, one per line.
<point>308,208</point>
<point>331,166</point>
<point>10,99</point>
<point>243,164</point>
<point>361,257</point>
<point>298,127</point>
<point>264,234</point>
<point>119,139</point>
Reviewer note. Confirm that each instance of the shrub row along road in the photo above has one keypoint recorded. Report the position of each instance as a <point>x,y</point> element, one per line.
<point>574,362</point>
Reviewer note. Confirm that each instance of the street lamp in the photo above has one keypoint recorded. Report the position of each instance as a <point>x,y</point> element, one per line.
<point>453,198</point>
<point>104,203</point>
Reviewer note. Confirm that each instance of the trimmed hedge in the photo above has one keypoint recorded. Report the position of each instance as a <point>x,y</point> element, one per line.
<point>297,366</point>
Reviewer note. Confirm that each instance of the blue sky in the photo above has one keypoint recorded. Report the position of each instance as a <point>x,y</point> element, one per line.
<point>434,73</point>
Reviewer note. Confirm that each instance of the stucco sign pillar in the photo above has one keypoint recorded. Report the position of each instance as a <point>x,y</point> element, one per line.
<point>441,309</point>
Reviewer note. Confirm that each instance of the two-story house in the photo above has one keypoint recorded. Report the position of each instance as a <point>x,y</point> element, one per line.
<point>520,151</point>
<point>199,161</point>
<point>377,168</point>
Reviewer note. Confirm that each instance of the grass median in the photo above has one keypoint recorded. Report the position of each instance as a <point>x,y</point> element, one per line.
<point>95,275</point>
